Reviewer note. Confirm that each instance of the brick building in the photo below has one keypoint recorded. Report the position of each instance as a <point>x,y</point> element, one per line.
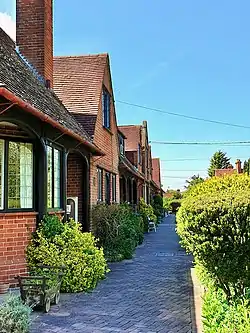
<point>230,171</point>
<point>38,138</point>
<point>90,100</point>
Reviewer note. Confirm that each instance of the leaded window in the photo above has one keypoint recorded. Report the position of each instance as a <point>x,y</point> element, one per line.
<point>54,167</point>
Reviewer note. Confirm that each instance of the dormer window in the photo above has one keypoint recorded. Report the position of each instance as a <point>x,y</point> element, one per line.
<point>106,108</point>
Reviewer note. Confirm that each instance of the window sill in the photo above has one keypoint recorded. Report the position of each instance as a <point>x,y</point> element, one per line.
<point>59,211</point>
<point>108,130</point>
<point>14,213</point>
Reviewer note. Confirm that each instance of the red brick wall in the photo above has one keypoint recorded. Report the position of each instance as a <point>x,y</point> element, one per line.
<point>75,181</point>
<point>108,142</point>
<point>35,34</point>
<point>15,232</point>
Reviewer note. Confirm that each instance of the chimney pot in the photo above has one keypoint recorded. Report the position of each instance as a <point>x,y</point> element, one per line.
<point>238,166</point>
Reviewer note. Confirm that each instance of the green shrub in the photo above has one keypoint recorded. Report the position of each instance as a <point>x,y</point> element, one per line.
<point>14,315</point>
<point>84,262</point>
<point>118,230</point>
<point>219,316</point>
<point>157,204</point>
<point>214,224</point>
<point>146,211</point>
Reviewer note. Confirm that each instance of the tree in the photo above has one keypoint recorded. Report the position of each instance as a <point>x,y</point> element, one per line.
<point>219,160</point>
<point>246,167</point>
<point>194,180</point>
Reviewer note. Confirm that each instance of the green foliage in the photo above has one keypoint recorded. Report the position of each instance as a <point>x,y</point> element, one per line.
<point>218,161</point>
<point>146,211</point>
<point>84,262</point>
<point>214,224</point>
<point>194,180</point>
<point>219,316</point>
<point>172,205</point>
<point>118,230</point>
<point>246,167</point>
<point>51,226</point>
<point>157,204</point>
<point>14,315</point>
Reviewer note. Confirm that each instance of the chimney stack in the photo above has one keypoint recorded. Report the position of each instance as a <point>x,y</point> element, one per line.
<point>34,36</point>
<point>238,166</point>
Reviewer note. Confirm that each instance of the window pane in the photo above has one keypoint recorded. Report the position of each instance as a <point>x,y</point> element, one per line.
<point>57,179</point>
<point>20,175</point>
<point>114,188</point>
<point>1,172</point>
<point>99,184</point>
<point>49,161</point>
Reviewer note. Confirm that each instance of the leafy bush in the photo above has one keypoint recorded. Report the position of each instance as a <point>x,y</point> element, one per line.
<point>214,224</point>
<point>219,316</point>
<point>157,204</point>
<point>84,262</point>
<point>14,316</point>
<point>118,229</point>
<point>146,211</point>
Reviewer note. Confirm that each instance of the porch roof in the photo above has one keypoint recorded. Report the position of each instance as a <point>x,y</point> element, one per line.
<point>125,163</point>
<point>20,84</point>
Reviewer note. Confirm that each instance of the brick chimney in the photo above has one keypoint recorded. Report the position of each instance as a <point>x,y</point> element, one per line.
<point>34,36</point>
<point>238,166</point>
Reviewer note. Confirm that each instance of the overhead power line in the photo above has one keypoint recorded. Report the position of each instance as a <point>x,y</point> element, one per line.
<point>184,116</point>
<point>197,159</point>
<point>179,170</point>
<point>175,177</point>
<point>211,143</point>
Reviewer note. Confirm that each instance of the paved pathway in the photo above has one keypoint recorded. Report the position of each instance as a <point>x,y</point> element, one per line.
<point>149,294</point>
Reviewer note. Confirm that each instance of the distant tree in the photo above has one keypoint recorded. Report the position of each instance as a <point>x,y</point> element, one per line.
<point>219,160</point>
<point>246,167</point>
<point>194,180</point>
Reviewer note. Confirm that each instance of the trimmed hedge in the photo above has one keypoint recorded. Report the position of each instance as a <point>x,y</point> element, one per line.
<point>214,224</point>
<point>117,229</point>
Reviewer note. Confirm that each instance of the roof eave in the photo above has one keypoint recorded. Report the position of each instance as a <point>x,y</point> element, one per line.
<point>32,110</point>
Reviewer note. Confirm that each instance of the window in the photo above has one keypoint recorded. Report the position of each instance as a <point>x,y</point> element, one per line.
<point>1,173</point>
<point>107,188</point>
<point>139,154</point>
<point>54,177</point>
<point>16,171</point>
<point>114,188</point>
<point>106,108</point>
<point>121,145</point>
<point>99,185</point>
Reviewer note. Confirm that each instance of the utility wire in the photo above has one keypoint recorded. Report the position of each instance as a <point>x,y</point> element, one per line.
<point>183,115</point>
<point>196,159</point>
<point>225,143</point>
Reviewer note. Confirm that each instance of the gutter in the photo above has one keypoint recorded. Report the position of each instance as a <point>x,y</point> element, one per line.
<point>35,112</point>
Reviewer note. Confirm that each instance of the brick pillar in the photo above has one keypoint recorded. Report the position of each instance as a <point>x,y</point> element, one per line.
<point>34,20</point>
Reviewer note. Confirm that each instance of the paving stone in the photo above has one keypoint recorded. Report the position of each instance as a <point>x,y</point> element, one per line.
<point>148,294</point>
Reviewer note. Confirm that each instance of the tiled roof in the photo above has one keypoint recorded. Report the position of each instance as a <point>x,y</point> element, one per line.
<point>133,135</point>
<point>19,79</point>
<point>156,171</point>
<point>78,81</point>
<point>87,121</point>
<point>222,172</point>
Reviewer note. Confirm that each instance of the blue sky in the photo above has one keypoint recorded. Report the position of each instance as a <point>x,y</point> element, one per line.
<point>190,57</point>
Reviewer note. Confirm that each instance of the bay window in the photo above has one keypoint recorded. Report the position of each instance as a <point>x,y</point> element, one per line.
<point>16,175</point>
<point>54,167</point>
